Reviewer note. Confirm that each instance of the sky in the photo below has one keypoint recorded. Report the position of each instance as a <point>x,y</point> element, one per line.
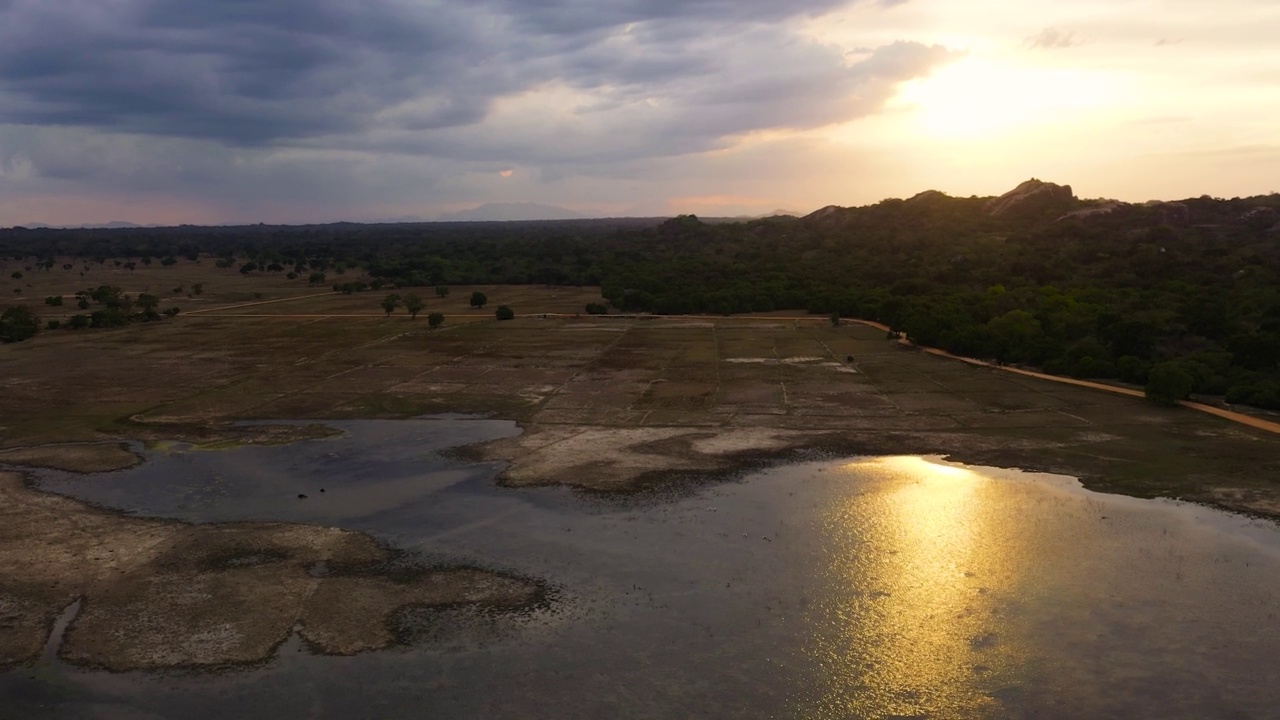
<point>299,111</point>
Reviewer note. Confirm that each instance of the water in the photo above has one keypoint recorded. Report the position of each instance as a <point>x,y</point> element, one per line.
<point>883,587</point>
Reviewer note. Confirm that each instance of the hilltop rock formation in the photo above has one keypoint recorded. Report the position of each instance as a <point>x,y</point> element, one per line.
<point>927,196</point>
<point>1032,196</point>
<point>823,213</point>
<point>1092,212</point>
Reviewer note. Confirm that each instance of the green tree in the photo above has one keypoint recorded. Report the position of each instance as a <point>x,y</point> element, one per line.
<point>478,299</point>
<point>435,319</point>
<point>414,305</point>
<point>1168,382</point>
<point>316,278</point>
<point>147,302</point>
<point>504,313</point>
<point>390,303</point>
<point>53,300</point>
<point>442,291</point>
<point>18,323</point>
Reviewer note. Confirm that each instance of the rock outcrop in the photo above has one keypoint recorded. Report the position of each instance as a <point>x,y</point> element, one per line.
<point>1032,196</point>
<point>1091,212</point>
<point>823,213</point>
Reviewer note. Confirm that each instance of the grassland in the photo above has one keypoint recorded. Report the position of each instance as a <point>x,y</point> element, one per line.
<point>606,404</point>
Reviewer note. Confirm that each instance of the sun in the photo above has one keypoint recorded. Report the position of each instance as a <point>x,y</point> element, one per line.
<point>981,99</point>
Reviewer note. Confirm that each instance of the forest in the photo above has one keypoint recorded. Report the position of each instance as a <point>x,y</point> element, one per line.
<point>1185,292</point>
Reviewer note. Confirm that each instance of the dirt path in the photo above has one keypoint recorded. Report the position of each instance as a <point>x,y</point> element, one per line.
<point>255,303</point>
<point>1243,419</point>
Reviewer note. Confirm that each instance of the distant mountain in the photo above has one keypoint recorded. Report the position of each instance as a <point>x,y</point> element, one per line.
<point>776,213</point>
<point>113,225</point>
<point>511,211</point>
<point>400,219</point>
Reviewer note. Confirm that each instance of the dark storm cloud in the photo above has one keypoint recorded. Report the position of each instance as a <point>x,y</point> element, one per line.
<point>242,72</point>
<point>264,72</point>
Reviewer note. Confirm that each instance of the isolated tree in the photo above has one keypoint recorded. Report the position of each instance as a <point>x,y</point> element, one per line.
<point>442,291</point>
<point>1168,382</point>
<point>53,300</point>
<point>169,260</point>
<point>835,319</point>
<point>414,305</point>
<point>248,267</point>
<point>596,309</point>
<point>198,288</point>
<point>390,303</point>
<point>17,275</point>
<point>504,313</point>
<point>435,319</point>
<point>18,323</point>
<point>147,302</point>
<point>316,278</point>
<point>478,299</point>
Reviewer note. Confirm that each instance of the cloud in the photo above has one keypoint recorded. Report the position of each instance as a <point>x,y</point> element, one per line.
<point>266,72</point>
<point>245,100</point>
<point>1054,39</point>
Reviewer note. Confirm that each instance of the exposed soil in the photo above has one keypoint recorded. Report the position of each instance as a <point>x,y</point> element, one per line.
<point>163,594</point>
<point>74,457</point>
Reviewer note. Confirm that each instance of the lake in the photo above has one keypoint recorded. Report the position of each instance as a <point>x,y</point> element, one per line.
<point>834,588</point>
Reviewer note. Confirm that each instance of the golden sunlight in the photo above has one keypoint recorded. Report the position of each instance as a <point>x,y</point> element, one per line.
<point>928,556</point>
<point>978,99</point>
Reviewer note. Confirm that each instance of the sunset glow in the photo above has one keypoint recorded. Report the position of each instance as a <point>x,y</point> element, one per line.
<point>639,109</point>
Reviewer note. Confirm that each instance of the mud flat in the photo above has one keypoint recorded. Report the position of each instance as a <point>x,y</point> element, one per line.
<point>626,459</point>
<point>163,594</point>
<point>74,457</point>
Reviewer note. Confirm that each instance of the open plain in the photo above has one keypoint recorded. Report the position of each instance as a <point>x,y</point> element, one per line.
<point>606,404</point>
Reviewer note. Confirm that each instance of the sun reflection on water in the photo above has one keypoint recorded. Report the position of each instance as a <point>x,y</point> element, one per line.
<point>921,569</point>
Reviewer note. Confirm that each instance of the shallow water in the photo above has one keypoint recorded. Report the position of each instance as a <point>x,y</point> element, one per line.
<point>882,587</point>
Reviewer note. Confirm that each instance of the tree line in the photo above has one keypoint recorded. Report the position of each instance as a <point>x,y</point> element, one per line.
<point>1189,288</point>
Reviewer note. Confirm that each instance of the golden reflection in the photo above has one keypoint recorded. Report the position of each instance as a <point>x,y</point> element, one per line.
<point>912,626</point>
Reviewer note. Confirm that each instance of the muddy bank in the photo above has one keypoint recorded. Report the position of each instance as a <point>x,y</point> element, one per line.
<point>113,455</point>
<point>615,459</point>
<point>164,594</point>
<point>226,435</point>
<point>612,459</point>
<point>74,457</point>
